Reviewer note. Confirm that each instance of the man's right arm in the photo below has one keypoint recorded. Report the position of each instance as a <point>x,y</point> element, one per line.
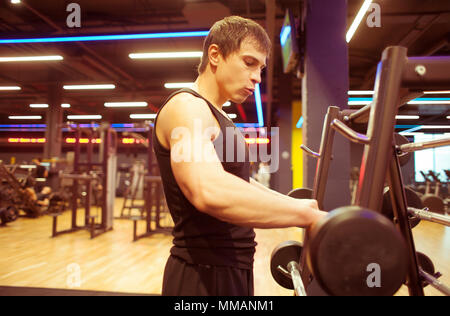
<point>209,187</point>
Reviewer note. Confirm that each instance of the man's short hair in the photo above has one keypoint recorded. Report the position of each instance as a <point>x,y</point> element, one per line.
<point>228,35</point>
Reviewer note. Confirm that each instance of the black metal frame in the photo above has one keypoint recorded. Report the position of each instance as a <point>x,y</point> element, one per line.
<point>396,75</point>
<point>109,147</point>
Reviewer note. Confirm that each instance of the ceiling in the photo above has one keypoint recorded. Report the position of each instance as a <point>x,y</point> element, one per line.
<point>421,25</point>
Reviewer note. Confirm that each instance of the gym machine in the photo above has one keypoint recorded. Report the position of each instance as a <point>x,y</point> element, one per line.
<point>89,172</point>
<point>22,198</point>
<point>340,251</point>
<point>154,201</point>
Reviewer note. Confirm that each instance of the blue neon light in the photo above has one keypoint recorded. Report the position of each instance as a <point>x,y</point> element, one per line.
<point>246,125</point>
<point>258,102</point>
<point>418,99</point>
<point>115,37</point>
<point>300,122</point>
<point>23,126</point>
<point>285,32</point>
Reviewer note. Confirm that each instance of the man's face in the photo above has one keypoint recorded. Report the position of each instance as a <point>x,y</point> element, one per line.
<point>238,74</point>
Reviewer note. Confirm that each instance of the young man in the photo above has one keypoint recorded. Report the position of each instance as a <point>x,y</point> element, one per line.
<point>214,204</point>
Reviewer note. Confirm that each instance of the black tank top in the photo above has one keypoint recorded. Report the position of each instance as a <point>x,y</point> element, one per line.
<point>198,237</point>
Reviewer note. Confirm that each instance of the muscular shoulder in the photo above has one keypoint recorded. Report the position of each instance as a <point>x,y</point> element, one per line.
<point>184,107</point>
<point>182,111</point>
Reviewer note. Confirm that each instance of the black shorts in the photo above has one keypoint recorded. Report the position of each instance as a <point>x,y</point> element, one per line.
<point>184,279</point>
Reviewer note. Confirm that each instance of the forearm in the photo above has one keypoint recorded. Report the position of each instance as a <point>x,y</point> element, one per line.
<point>264,188</point>
<point>238,202</point>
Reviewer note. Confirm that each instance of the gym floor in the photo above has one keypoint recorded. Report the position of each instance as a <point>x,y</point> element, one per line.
<point>113,263</point>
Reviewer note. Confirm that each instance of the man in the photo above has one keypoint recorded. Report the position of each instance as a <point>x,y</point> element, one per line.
<point>214,204</point>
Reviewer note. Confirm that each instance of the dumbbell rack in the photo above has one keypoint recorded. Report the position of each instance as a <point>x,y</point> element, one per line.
<point>399,79</point>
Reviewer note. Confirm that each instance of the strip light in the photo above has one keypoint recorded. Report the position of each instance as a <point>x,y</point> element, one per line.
<point>83,140</point>
<point>257,140</point>
<point>435,126</point>
<point>26,140</point>
<point>89,87</point>
<point>437,92</point>
<point>114,37</point>
<point>84,117</point>
<point>365,101</point>
<point>9,88</point>
<point>430,101</point>
<point>360,92</point>
<point>30,58</point>
<point>357,20</point>
<point>178,85</point>
<point>125,104</point>
<point>258,102</point>
<point>142,116</point>
<point>407,117</point>
<point>196,54</point>
<point>285,34</point>
<point>39,106</point>
<point>25,117</point>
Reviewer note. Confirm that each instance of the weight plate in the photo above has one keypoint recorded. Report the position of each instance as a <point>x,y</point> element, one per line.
<point>357,252</point>
<point>301,193</point>
<point>284,253</point>
<point>402,140</point>
<point>426,264</point>
<point>434,203</point>
<point>412,200</point>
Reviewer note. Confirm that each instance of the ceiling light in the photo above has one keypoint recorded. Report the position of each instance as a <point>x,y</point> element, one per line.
<point>358,20</point>
<point>437,92</point>
<point>30,58</point>
<point>15,1</point>
<point>430,101</point>
<point>178,85</point>
<point>125,104</point>
<point>84,117</point>
<point>142,116</point>
<point>9,88</point>
<point>232,115</point>
<point>89,87</point>
<point>65,105</point>
<point>29,117</point>
<point>360,92</point>
<point>39,106</point>
<point>407,117</point>
<point>435,126</point>
<point>196,54</point>
<point>359,101</point>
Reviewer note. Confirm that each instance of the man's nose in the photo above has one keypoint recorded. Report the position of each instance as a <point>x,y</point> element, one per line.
<point>256,77</point>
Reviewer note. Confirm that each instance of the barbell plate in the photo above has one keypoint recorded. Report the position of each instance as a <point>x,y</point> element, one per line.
<point>284,253</point>
<point>412,200</point>
<point>426,264</point>
<point>301,193</point>
<point>357,252</point>
<point>402,140</point>
<point>434,203</point>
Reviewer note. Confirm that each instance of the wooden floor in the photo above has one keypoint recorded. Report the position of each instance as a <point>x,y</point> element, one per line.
<point>112,262</point>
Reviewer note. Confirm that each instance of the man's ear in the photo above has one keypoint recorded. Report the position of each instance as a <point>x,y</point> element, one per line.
<point>214,55</point>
